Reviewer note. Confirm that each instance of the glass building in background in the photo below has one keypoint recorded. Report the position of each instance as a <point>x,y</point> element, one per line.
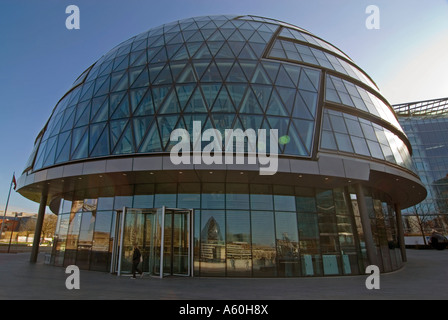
<point>426,125</point>
<point>102,161</point>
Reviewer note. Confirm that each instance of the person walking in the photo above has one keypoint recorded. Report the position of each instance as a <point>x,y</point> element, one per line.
<point>136,259</point>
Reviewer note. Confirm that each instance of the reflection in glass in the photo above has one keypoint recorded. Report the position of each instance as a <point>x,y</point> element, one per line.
<point>238,250</point>
<point>263,244</point>
<point>213,249</point>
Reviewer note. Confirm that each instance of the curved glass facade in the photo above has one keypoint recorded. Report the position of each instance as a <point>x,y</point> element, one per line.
<point>227,72</point>
<point>246,230</point>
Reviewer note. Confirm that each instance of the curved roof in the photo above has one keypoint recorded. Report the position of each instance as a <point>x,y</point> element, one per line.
<point>225,71</point>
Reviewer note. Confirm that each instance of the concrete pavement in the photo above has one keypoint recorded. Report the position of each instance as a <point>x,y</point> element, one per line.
<point>425,276</point>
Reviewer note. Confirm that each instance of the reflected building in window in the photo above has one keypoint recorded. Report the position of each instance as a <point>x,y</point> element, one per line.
<point>426,125</point>
<point>332,207</point>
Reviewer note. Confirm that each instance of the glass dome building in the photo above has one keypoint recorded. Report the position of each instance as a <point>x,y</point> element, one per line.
<point>103,161</point>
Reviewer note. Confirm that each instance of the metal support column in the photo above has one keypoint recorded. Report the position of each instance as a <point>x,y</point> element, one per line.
<point>365,221</point>
<point>39,223</point>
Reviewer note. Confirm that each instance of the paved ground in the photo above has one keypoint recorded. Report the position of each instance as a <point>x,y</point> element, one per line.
<point>425,276</point>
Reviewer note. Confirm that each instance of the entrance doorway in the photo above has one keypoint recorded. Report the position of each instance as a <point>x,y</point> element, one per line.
<point>163,236</point>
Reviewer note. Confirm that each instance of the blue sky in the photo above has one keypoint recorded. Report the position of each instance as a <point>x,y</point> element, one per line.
<point>40,58</point>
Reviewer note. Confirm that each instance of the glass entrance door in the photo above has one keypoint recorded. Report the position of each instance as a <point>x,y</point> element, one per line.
<point>177,256</point>
<point>163,237</point>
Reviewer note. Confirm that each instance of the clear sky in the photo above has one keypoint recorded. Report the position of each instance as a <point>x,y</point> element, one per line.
<point>40,58</point>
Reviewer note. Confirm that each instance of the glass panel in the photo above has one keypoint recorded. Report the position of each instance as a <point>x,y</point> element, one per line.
<point>238,250</point>
<point>287,244</point>
<point>213,248</point>
<point>263,244</point>
<point>102,241</point>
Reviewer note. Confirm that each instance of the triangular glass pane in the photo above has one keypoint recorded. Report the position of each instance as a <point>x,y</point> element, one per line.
<point>281,124</point>
<point>123,84</point>
<point>283,79</point>
<point>305,83</point>
<point>293,72</point>
<point>136,96</point>
<point>310,99</point>
<point>123,63</point>
<point>216,36</point>
<point>176,69</point>
<point>211,74</point>
<point>250,104</point>
<point>236,74</point>
<point>223,121</point>
<point>172,143</point>
<point>100,109</point>
<point>271,69</point>
<point>140,125</point>
<point>187,75</point>
<point>170,105</point>
<point>82,114</point>
<point>63,147</point>
<point>79,143</point>
<point>246,33</point>
<point>223,102</point>
<point>158,95</point>
<point>301,109</point>
<point>101,147</point>
<point>125,144</point>
<point>260,76</point>
<point>275,105</point>
<point>227,32</point>
<point>116,130</point>
<point>164,77</point>
<point>166,125</point>
<point>181,54</point>
<point>196,103</point>
<point>236,36</point>
<point>287,95</point>
<point>203,53</point>
<point>248,67</point>
<point>256,38</point>
<point>184,93</point>
<point>142,80</point>
<point>134,73</point>
<point>210,91</point>
<point>200,67</point>
<point>146,105</point>
<point>87,91</point>
<point>225,52</point>
<point>192,47</point>
<point>176,39</point>
<point>214,47</point>
<point>236,47</point>
<point>102,85</point>
<point>236,92</point>
<point>188,34</point>
<point>305,129</point>
<point>95,132</point>
<point>50,152</point>
<point>139,45</point>
<point>115,101</point>
<point>293,143</point>
<point>160,56</point>
<point>172,49</point>
<point>69,118</point>
<point>206,33</point>
<point>251,121</point>
<point>224,67</point>
<point>151,142</point>
<point>258,49</point>
<point>314,77</point>
<point>263,94</point>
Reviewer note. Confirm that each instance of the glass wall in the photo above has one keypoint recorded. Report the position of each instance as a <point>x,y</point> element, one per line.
<point>240,230</point>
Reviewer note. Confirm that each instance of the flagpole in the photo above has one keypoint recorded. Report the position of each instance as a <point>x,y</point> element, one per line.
<point>6,207</point>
